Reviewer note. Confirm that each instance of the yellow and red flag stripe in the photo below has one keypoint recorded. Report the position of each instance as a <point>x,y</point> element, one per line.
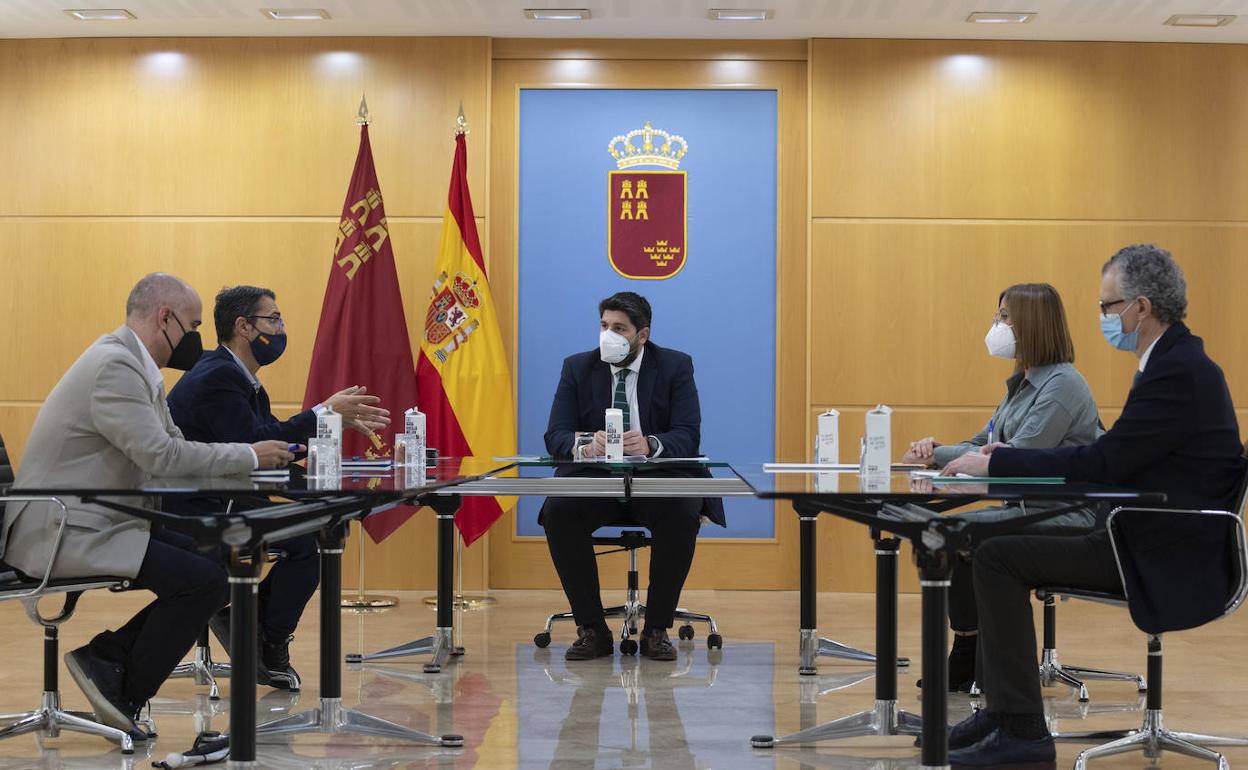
<point>462,376</point>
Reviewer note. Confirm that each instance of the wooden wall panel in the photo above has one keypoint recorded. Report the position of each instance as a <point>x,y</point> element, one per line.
<point>524,562</point>
<point>1031,130</point>
<point>232,126</point>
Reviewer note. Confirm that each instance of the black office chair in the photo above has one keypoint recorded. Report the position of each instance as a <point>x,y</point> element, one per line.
<point>49,718</point>
<point>1052,672</point>
<point>632,610</point>
<point>1180,599</point>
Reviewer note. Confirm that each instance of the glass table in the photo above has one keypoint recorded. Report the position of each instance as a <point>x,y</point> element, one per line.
<point>914,506</point>
<point>287,507</point>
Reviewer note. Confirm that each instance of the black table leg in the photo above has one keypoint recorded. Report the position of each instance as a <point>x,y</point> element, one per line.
<point>811,646</point>
<point>330,717</point>
<point>934,583</point>
<point>885,718</point>
<point>244,569</point>
<point>441,645</point>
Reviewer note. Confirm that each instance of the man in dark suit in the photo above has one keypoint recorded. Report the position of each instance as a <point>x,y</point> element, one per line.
<point>220,399</point>
<point>1177,434</point>
<point>654,388</point>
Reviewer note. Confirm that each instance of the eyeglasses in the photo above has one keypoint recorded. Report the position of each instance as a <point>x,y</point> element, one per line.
<point>277,319</point>
<point>1105,306</point>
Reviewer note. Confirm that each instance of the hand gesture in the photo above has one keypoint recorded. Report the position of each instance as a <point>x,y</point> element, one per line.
<point>272,454</point>
<point>922,452</point>
<point>358,409</point>
<point>635,444</point>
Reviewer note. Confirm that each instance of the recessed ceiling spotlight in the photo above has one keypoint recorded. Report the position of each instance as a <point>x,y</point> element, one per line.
<point>556,14</point>
<point>1199,20</point>
<point>739,14</point>
<point>296,14</point>
<point>1001,17</point>
<point>100,14</point>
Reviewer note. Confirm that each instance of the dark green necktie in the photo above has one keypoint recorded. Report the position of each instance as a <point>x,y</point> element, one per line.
<point>621,395</point>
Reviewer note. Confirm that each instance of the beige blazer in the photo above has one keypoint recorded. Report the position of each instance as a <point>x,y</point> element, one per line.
<point>104,423</point>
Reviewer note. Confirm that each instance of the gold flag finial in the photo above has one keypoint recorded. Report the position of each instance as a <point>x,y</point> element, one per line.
<point>461,123</point>
<point>361,117</point>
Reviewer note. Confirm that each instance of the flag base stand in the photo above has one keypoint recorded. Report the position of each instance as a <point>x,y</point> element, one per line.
<point>368,602</point>
<point>465,601</point>
<point>360,601</point>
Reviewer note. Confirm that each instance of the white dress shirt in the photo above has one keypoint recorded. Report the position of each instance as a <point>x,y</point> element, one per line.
<point>1147,353</point>
<point>630,391</point>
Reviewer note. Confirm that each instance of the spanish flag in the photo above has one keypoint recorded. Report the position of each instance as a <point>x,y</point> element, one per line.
<point>462,377</point>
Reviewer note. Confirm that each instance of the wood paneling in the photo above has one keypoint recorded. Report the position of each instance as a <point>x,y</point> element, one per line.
<point>1031,130</point>
<point>649,50</point>
<point>232,127</point>
<point>516,562</point>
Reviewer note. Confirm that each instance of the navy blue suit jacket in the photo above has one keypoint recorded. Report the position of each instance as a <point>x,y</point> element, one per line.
<point>667,402</point>
<point>1177,434</point>
<point>215,401</point>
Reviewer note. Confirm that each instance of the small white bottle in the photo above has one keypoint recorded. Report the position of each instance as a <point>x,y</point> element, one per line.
<point>329,425</point>
<point>615,435</point>
<point>414,438</point>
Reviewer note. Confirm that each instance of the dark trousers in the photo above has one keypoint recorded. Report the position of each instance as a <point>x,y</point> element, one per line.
<point>1006,570</point>
<point>673,524</point>
<point>288,587</point>
<point>189,588</point>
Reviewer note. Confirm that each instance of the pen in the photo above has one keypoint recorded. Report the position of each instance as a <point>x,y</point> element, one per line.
<point>991,422</point>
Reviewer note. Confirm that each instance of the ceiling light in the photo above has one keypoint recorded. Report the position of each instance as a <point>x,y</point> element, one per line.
<point>296,14</point>
<point>1199,20</point>
<point>100,14</point>
<point>999,17</point>
<point>739,14</point>
<point>556,14</point>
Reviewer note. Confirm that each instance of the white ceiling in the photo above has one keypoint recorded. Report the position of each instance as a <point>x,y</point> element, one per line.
<point>1058,19</point>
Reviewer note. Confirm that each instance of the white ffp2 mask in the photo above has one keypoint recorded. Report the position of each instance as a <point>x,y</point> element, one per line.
<point>1000,340</point>
<point>613,347</point>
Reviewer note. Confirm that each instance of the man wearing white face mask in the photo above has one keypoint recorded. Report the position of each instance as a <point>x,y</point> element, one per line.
<point>654,388</point>
<point>1047,404</point>
<point>1177,434</point>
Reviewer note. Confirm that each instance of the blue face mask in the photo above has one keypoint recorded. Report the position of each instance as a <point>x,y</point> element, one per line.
<point>1111,327</point>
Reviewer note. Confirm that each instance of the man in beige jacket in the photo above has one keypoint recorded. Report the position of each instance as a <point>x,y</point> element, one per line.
<point>106,424</point>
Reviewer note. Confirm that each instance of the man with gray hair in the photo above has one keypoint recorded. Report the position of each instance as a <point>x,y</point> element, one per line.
<point>1177,434</point>
<point>106,424</point>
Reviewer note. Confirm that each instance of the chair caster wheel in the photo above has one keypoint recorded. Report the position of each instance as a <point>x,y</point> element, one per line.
<point>715,642</point>
<point>763,742</point>
<point>628,647</point>
<point>452,740</point>
<point>685,631</point>
<point>542,639</point>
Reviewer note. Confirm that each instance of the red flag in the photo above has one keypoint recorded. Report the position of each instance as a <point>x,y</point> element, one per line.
<point>362,337</point>
<point>465,381</point>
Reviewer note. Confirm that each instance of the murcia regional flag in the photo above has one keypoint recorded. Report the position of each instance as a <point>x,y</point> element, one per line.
<point>648,233</point>
<point>462,376</point>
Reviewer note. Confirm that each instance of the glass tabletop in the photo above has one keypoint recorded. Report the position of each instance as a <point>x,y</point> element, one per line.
<point>797,480</point>
<point>381,480</point>
<point>628,464</point>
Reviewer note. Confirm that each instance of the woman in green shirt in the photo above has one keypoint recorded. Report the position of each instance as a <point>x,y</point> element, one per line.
<point>1047,404</point>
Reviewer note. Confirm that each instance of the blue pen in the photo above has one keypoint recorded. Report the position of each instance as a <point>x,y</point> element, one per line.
<point>991,422</point>
<point>292,447</point>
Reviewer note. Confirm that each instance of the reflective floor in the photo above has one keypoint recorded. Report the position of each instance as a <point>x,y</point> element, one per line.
<point>519,706</point>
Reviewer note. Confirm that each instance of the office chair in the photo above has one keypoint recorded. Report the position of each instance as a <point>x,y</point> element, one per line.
<point>1155,612</point>
<point>632,610</point>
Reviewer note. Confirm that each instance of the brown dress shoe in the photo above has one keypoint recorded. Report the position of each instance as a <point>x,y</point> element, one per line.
<point>590,643</point>
<point>656,646</point>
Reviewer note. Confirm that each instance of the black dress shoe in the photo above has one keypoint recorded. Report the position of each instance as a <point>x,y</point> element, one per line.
<point>101,681</point>
<point>590,643</point>
<point>656,646</point>
<point>1000,748</point>
<point>971,730</point>
<point>275,665</point>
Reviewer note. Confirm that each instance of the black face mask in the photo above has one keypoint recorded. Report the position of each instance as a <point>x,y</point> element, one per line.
<point>187,351</point>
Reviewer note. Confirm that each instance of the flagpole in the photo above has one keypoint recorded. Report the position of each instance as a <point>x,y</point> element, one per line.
<point>362,602</point>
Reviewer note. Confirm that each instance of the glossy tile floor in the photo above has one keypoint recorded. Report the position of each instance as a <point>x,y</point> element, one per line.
<point>518,706</point>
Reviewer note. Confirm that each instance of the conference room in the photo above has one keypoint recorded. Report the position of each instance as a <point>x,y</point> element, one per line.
<point>494,384</point>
